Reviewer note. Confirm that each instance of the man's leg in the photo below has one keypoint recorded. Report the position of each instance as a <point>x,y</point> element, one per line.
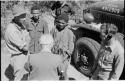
<point>66,64</point>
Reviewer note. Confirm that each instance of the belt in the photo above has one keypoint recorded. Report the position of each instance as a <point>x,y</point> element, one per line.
<point>16,54</point>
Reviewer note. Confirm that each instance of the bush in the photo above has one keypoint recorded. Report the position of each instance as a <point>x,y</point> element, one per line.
<point>6,9</point>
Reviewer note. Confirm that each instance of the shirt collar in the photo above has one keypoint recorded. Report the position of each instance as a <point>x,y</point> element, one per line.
<point>19,28</point>
<point>33,21</point>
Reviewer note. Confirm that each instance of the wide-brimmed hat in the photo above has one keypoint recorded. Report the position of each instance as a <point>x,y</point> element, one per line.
<point>18,10</point>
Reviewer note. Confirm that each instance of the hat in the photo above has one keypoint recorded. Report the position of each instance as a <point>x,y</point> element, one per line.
<point>46,39</point>
<point>64,17</point>
<point>18,10</point>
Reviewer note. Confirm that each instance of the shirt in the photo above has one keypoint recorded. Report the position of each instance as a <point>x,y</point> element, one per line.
<point>35,31</point>
<point>15,38</point>
<point>45,66</point>
<point>111,61</point>
<point>65,40</point>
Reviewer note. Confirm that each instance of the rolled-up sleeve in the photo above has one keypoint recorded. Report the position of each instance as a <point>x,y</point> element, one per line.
<point>15,39</point>
<point>119,65</point>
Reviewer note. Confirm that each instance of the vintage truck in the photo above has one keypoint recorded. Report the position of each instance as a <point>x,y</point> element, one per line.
<point>88,37</point>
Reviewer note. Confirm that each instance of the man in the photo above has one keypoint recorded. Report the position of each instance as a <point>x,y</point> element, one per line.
<point>36,27</point>
<point>64,40</point>
<point>45,65</point>
<point>16,38</point>
<point>111,55</point>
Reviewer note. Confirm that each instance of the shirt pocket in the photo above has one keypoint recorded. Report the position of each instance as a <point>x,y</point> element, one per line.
<point>108,58</point>
<point>30,28</point>
<point>40,30</point>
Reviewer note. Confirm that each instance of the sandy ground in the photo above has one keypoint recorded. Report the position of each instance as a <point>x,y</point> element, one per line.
<point>72,72</point>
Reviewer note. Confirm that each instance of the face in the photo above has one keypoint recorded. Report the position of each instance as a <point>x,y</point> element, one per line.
<point>22,20</point>
<point>61,24</point>
<point>22,23</point>
<point>36,13</point>
<point>106,37</point>
<point>103,32</point>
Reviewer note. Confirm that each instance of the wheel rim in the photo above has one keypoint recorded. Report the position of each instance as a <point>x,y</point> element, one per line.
<point>85,58</point>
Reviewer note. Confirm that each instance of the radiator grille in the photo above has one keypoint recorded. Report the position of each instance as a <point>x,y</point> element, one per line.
<point>105,17</point>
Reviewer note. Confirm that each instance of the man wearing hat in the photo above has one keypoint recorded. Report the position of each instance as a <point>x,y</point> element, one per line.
<point>64,39</point>
<point>45,65</point>
<point>110,61</point>
<point>36,27</point>
<point>17,40</point>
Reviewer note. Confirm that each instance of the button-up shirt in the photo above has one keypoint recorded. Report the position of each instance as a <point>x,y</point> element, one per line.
<point>15,38</point>
<point>45,66</point>
<point>110,61</point>
<point>35,31</point>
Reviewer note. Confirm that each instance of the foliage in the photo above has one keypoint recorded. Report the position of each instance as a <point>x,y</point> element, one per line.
<point>6,8</point>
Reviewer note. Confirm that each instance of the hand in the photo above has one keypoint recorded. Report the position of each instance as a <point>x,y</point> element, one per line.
<point>60,51</point>
<point>67,55</point>
<point>27,67</point>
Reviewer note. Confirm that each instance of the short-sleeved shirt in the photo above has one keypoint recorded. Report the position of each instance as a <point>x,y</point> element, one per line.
<point>110,62</point>
<point>35,31</point>
<point>45,66</point>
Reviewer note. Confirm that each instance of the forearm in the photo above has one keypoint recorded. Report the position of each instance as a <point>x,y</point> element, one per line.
<point>71,47</point>
<point>118,68</point>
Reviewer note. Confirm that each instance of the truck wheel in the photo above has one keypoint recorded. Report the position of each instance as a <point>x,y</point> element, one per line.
<point>85,55</point>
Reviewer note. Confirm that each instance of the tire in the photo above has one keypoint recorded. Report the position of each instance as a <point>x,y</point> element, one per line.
<point>85,55</point>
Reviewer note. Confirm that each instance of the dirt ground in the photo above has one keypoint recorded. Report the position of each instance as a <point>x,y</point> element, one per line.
<point>5,56</point>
